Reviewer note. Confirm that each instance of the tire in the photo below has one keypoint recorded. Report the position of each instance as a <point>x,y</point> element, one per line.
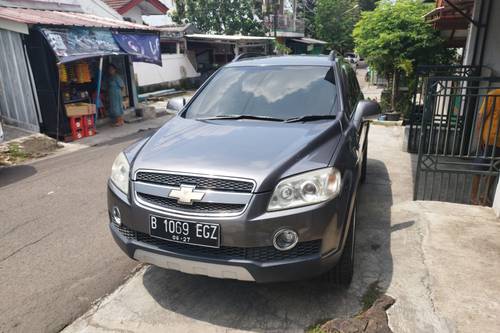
<point>343,272</point>
<point>363,167</point>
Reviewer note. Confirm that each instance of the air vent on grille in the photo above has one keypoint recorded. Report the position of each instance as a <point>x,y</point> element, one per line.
<point>261,254</point>
<point>206,183</point>
<point>196,207</point>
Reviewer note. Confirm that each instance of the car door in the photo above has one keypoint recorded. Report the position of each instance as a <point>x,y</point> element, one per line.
<point>354,96</point>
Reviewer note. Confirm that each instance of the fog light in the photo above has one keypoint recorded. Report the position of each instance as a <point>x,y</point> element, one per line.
<point>116,215</point>
<point>285,239</point>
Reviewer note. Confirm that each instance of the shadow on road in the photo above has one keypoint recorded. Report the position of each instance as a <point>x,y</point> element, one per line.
<point>13,174</point>
<point>291,306</point>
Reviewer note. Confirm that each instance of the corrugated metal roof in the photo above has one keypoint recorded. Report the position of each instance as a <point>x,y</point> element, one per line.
<point>228,37</point>
<point>51,17</point>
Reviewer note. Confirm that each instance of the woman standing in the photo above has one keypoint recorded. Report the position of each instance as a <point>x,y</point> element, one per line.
<point>116,88</point>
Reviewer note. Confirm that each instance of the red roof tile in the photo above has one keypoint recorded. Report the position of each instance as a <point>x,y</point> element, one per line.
<point>50,17</point>
<point>123,6</point>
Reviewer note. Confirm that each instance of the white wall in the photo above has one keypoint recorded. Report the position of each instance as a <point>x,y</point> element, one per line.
<point>134,14</point>
<point>175,67</point>
<point>99,8</point>
<point>157,20</point>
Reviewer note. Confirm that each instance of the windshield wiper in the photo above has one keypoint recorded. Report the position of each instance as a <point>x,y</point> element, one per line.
<point>310,118</point>
<point>241,116</point>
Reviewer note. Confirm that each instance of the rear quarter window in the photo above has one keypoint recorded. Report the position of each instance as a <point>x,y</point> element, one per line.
<point>352,90</point>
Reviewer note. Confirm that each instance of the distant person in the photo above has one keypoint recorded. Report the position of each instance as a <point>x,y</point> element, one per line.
<point>487,125</point>
<point>116,89</point>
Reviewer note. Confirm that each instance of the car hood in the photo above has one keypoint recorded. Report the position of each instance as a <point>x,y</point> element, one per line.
<point>260,150</point>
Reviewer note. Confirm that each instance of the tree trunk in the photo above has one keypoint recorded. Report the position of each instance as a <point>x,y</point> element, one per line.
<point>395,90</point>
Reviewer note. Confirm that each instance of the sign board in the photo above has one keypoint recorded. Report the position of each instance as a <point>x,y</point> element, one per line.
<point>71,44</point>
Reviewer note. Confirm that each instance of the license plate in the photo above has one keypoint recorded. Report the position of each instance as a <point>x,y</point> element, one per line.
<point>195,233</point>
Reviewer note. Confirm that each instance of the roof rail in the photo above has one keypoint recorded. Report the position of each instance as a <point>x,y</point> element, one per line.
<point>332,55</point>
<point>248,55</point>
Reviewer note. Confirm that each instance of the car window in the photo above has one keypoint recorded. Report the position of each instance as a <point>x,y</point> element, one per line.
<point>353,91</point>
<point>274,91</point>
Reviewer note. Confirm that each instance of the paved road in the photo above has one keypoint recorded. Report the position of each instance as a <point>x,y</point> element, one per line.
<point>438,260</point>
<point>56,254</point>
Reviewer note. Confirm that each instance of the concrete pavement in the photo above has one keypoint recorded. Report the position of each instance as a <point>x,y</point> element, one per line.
<point>439,261</point>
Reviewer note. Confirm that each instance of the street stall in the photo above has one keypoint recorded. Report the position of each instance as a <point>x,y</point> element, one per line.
<point>81,56</point>
<point>69,57</point>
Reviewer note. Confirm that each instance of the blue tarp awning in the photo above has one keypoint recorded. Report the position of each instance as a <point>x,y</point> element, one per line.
<point>141,46</point>
<point>75,43</point>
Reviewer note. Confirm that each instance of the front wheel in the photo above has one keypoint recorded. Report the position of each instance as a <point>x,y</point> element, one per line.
<point>342,273</point>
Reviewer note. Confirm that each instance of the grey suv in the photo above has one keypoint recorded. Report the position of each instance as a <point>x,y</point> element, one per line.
<point>256,177</point>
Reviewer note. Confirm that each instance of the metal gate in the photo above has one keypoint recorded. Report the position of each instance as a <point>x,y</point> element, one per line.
<point>458,154</point>
<point>423,73</point>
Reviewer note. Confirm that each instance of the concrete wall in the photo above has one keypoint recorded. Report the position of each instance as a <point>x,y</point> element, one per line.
<point>492,44</point>
<point>491,48</point>
<point>175,67</point>
<point>491,60</point>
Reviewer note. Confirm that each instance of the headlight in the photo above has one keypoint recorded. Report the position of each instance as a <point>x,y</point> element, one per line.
<point>306,189</point>
<point>120,172</point>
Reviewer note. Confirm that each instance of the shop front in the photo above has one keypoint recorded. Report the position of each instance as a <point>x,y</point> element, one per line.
<point>83,75</point>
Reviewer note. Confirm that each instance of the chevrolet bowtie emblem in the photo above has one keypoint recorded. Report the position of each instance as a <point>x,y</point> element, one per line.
<point>186,195</point>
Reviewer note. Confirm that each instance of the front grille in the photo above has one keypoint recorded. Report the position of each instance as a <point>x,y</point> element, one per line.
<point>203,183</point>
<point>260,254</point>
<point>196,207</point>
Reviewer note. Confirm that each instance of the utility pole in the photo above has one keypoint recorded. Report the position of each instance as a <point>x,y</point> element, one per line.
<point>276,3</point>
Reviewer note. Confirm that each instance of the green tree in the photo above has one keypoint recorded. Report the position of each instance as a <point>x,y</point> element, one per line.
<point>306,9</point>
<point>394,38</point>
<point>335,20</point>
<point>222,16</point>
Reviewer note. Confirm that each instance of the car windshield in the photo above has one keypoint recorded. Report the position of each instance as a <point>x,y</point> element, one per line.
<point>281,92</point>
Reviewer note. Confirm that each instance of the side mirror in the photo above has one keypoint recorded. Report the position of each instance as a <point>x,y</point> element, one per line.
<point>176,104</point>
<point>365,109</point>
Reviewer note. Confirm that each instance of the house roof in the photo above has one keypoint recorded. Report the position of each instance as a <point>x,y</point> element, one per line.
<point>52,17</point>
<point>148,7</point>
<point>306,40</point>
<point>227,38</point>
<point>446,17</point>
<point>175,27</point>
<point>61,5</point>
<point>452,23</point>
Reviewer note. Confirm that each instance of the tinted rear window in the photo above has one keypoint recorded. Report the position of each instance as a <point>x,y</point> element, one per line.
<point>273,91</point>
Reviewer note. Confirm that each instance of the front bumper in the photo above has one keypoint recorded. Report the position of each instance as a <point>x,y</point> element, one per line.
<point>240,269</point>
<point>246,251</point>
